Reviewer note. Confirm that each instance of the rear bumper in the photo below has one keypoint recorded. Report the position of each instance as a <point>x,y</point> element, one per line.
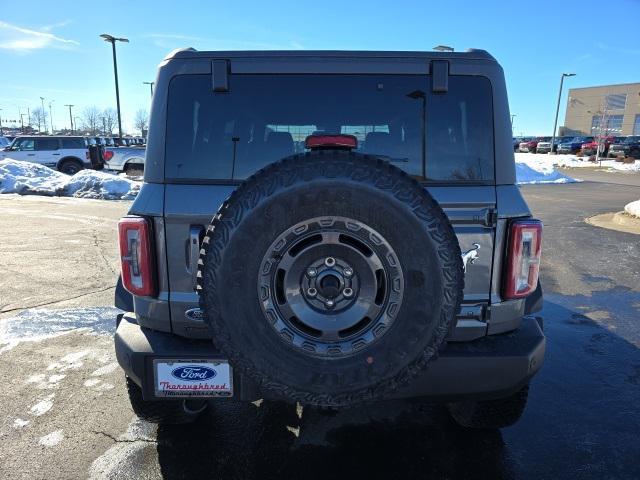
<point>490,367</point>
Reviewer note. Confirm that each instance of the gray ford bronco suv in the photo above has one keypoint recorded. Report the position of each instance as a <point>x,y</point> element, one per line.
<point>330,228</point>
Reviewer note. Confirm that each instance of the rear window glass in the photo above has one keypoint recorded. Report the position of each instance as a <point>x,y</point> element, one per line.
<point>73,143</point>
<point>263,118</point>
<point>45,144</point>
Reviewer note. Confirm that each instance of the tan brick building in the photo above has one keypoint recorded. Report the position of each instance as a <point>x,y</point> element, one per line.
<point>615,107</point>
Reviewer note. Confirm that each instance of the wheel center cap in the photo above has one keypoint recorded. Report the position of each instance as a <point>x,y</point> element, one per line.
<point>329,285</point>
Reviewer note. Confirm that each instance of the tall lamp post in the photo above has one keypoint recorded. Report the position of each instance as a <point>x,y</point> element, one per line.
<point>44,120</point>
<point>150,86</point>
<point>70,116</point>
<point>112,40</point>
<point>22,122</point>
<point>555,123</point>
<point>0,123</point>
<point>51,115</point>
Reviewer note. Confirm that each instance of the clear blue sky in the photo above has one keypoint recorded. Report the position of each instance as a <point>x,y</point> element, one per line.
<point>52,49</point>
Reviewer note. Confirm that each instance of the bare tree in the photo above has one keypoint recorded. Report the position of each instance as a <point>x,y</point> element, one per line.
<point>39,117</point>
<point>141,121</point>
<point>91,120</point>
<point>110,117</point>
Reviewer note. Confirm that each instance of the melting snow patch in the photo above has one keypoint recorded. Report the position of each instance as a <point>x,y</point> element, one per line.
<point>38,324</point>
<point>122,456</point>
<point>19,423</point>
<point>52,439</point>
<point>105,370</point>
<point>91,382</point>
<point>69,361</point>
<point>633,208</point>
<point>42,382</point>
<point>27,178</point>
<point>43,406</point>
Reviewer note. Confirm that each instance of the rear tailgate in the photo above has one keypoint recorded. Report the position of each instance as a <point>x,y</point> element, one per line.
<point>471,210</point>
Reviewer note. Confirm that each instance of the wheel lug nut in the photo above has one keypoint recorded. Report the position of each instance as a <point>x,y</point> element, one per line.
<point>312,272</point>
<point>330,261</point>
<point>347,292</point>
<point>347,272</point>
<point>329,303</point>
<point>312,292</point>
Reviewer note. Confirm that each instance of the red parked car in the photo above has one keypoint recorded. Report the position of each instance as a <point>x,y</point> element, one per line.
<point>590,148</point>
<point>531,145</point>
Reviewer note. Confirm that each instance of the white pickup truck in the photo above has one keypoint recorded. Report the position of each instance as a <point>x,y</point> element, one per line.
<point>125,159</point>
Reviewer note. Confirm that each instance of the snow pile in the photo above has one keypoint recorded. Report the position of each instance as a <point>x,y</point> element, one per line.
<point>31,179</point>
<point>534,168</point>
<point>633,208</point>
<point>571,161</point>
<point>93,184</point>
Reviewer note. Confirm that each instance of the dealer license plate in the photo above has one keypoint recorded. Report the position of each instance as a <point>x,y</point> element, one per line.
<point>195,378</point>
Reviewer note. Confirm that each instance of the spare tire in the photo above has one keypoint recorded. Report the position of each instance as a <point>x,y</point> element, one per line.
<point>330,278</point>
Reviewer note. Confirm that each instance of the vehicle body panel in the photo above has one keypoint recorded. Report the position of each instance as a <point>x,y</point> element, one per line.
<point>47,150</point>
<point>123,156</point>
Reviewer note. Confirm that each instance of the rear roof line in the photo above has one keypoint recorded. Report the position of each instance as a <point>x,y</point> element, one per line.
<point>189,52</point>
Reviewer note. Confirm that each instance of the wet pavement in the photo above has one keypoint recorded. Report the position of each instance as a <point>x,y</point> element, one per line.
<point>582,420</point>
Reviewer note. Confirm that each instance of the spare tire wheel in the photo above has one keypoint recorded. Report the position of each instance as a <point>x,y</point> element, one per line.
<point>330,278</point>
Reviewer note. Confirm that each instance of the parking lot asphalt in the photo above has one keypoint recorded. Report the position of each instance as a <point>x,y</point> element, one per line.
<point>66,414</point>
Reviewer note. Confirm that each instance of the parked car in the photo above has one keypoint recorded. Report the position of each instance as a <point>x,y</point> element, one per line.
<point>544,146</point>
<point>573,145</point>
<point>306,285</point>
<point>68,154</point>
<point>517,141</point>
<point>125,159</point>
<point>629,147</point>
<point>531,145</point>
<point>591,147</point>
<point>4,142</point>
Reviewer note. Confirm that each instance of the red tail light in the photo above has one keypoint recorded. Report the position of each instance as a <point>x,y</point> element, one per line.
<point>523,258</point>
<point>331,141</point>
<point>108,155</point>
<point>136,256</point>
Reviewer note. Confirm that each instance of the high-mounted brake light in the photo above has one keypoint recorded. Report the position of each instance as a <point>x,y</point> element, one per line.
<point>108,155</point>
<point>523,258</point>
<point>136,256</point>
<point>347,142</point>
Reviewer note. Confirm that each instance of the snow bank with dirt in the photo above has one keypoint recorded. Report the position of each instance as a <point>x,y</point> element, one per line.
<point>573,161</point>
<point>633,208</point>
<point>27,178</point>
<point>532,169</point>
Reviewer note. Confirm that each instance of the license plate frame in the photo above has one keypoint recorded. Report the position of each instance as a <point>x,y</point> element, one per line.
<point>189,378</point>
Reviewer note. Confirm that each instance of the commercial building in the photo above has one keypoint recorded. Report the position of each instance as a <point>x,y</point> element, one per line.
<point>609,110</point>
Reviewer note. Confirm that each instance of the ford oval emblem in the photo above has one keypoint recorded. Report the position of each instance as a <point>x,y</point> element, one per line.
<point>194,314</point>
<point>193,373</point>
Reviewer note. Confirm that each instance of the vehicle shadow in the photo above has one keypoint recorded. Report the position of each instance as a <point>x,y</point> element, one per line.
<point>395,439</point>
<point>582,421</point>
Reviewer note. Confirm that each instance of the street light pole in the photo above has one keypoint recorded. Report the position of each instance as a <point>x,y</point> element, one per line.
<point>44,120</point>
<point>51,115</point>
<point>70,117</point>
<point>22,122</point>
<point>513,115</point>
<point>555,123</point>
<point>1,123</point>
<point>112,40</point>
<point>150,86</point>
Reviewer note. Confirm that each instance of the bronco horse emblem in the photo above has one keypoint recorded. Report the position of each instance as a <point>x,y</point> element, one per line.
<point>470,256</point>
